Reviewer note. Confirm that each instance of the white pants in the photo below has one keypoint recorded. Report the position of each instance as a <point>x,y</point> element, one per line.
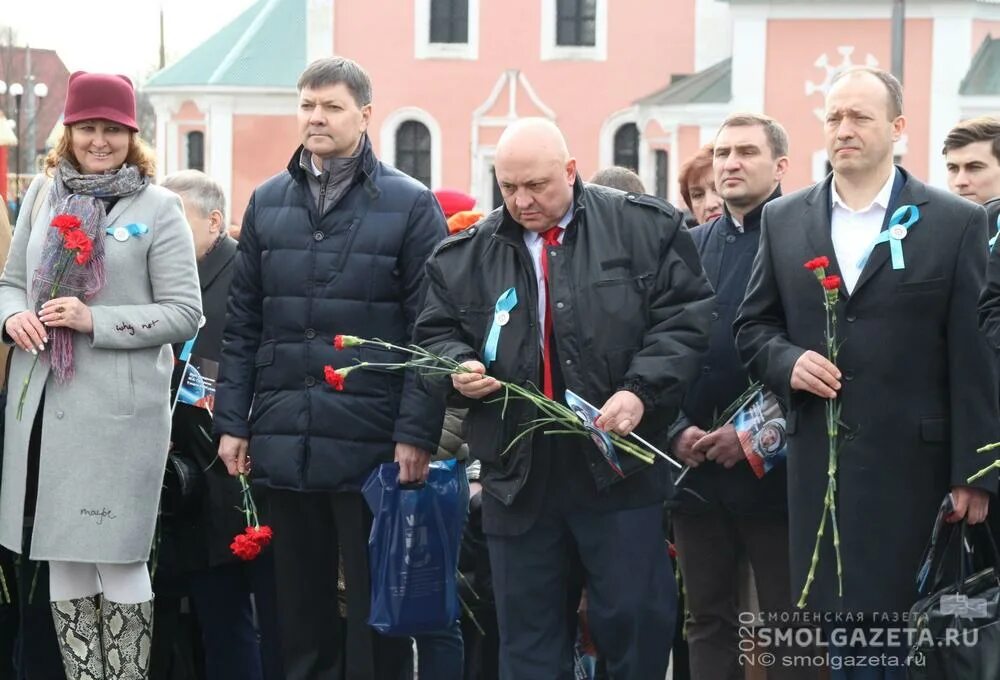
<point>121,583</point>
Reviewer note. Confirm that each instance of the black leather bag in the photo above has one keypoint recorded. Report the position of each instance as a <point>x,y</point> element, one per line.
<point>183,487</point>
<point>956,628</point>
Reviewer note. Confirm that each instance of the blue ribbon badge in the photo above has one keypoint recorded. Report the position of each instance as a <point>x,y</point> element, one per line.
<point>123,234</point>
<point>904,218</point>
<point>501,317</point>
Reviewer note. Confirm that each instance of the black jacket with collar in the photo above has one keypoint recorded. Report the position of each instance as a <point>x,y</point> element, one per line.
<point>202,540</point>
<point>727,255</point>
<point>631,309</point>
<point>302,277</point>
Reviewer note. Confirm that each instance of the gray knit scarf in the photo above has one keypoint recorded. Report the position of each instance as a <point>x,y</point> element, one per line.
<point>77,194</point>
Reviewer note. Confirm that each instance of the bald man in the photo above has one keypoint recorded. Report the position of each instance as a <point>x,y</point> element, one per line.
<point>596,291</point>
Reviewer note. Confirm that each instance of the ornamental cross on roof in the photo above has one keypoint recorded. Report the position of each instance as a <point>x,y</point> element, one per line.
<point>832,70</point>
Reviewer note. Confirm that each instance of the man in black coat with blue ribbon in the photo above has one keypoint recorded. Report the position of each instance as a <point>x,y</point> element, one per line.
<point>571,287</point>
<point>914,377</point>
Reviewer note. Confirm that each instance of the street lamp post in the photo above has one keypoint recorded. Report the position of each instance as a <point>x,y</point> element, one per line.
<point>35,92</point>
<point>18,91</point>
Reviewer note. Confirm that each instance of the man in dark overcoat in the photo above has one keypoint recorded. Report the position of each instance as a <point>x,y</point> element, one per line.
<point>914,377</point>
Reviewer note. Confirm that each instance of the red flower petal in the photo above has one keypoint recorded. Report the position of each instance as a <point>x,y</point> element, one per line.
<point>333,378</point>
<point>260,535</point>
<point>831,282</point>
<point>64,222</point>
<point>817,263</point>
<point>338,342</point>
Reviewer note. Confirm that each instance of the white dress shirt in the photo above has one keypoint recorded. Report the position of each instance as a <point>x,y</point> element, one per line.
<point>854,231</point>
<point>534,241</point>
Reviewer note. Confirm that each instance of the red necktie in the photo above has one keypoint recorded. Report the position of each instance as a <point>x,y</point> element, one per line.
<point>551,239</point>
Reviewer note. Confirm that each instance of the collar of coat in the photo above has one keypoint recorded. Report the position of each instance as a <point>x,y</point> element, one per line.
<point>366,168</point>
<point>751,220</point>
<point>216,261</point>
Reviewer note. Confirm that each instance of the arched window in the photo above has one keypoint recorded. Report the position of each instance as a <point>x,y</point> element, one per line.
<point>627,147</point>
<point>196,150</point>
<point>413,151</point>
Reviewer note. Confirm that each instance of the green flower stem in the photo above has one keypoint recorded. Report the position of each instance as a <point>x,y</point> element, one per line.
<point>249,506</point>
<point>24,388</point>
<point>554,412</point>
<point>985,471</point>
<point>832,409</point>
<point>64,262</point>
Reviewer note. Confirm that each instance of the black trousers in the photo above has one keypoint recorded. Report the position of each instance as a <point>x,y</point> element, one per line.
<point>631,593</point>
<point>312,531</point>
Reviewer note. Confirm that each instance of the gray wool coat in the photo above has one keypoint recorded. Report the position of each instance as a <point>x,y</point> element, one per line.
<point>105,433</point>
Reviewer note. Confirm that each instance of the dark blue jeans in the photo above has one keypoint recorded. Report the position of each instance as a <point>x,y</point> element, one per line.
<point>221,599</point>
<point>440,655</point>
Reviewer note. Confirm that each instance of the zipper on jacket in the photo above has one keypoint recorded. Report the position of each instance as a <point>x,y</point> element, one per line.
<point>324,181</point>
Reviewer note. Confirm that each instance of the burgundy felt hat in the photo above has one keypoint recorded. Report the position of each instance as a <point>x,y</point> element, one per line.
<point>100,96</point>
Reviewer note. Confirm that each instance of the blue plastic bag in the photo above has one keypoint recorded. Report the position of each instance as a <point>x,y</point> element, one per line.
<point>413,548</point>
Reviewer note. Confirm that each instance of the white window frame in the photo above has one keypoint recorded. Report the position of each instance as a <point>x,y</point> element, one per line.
<point>387,138</point>
<point>425,49</point>
<point>553,52</point>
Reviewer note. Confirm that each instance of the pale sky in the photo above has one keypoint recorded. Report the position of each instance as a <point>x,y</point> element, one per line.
<point>116,36</point>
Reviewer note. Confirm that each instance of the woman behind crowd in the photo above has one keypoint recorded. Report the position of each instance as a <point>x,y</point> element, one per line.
<point>697,182</point>
<point>87,419</point>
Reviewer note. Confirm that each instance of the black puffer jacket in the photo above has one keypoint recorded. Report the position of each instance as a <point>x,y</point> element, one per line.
<point>301,278</point>
<point>631,311</point>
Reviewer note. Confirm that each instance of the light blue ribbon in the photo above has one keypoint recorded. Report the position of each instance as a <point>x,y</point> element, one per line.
<point>134,229</point>
<point>187,348</point>
<point>911,213</point>
<point>505,304</point>
<point>994,239</point>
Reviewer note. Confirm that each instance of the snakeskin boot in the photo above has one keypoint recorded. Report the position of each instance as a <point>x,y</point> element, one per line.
<point>127,634</point>
<point>79,633</point>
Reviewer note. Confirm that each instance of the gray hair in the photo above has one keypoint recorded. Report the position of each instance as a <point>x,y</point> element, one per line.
<point>335,70</point>
<point>199,189</point>
<point>893,88</point>
<point>620,178</point>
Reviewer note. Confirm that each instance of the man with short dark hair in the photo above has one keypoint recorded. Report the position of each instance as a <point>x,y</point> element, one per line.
<point>972,154</point>
<point>724,512</point>
<point>914,380</point>
<point>336,244</point>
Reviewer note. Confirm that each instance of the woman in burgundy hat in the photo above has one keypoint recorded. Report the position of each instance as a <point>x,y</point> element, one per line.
<point>100,280</point>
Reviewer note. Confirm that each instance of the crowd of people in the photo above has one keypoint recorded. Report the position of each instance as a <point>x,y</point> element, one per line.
<point>658,316</point>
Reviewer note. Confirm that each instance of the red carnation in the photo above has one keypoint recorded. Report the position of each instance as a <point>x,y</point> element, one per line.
<point>245,547</point>
<point>818,263</point>
<point>831,282</point>
<point>78,241</point>
<point>66,223</point>
<point>261,535</point>
<point>333,378</point>
<point>342,341</point>
<point>672,550</point>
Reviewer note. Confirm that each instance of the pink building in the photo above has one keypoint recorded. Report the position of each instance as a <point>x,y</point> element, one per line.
<point>450,74</point>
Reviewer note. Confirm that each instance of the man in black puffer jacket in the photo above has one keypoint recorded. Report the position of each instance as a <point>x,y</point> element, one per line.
<point>336,244</point>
